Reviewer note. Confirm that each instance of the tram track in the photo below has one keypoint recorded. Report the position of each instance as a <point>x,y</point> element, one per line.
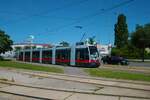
<point>28,96</point>
<point>60,90</point>
<point>76,76</point>
<point>94,81</point>
<point>102,84</point>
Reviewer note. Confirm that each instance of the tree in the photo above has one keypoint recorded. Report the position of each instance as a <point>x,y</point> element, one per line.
<point>64,44</point>
<point>17,48</point>
<point>29,47</point>
<point>5,42</point>
<point>121,31</point>
<point>141,38</point>
<point>91,40</point>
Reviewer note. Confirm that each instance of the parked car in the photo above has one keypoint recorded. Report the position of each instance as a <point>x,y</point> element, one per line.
<point>115,60</point>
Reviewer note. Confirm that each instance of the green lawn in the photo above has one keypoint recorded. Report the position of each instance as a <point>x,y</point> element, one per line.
<point>117,74</point>
<point>13,64</point>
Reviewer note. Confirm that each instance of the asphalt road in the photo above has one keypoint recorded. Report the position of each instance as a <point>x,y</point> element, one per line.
<point>140,64</point>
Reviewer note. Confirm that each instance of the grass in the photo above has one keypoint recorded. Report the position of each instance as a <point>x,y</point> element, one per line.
<point>108,73</point>
<point>13,64</point>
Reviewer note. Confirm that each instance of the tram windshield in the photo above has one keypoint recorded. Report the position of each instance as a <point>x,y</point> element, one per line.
<point>93,52</point>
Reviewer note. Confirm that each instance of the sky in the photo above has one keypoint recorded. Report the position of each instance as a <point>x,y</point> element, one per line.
<point>53,21</point>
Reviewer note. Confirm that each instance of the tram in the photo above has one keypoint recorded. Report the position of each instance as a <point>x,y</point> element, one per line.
<point>79,55</point>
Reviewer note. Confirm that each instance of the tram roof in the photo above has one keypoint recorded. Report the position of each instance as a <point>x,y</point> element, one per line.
<point>78,46</point>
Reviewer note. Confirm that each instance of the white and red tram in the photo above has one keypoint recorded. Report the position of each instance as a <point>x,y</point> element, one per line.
<point>82,55</point>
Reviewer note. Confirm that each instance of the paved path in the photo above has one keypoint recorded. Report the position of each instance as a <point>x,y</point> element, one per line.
<point>74,71</point>
<point>67,69</point>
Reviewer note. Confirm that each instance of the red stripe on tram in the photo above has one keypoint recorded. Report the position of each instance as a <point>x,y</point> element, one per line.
<point>46,59</point>
<point>35,59</point>
<point>64,60</point>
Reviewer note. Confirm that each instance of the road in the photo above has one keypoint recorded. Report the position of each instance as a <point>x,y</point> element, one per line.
<point>29,85</point>
<point>140,64</point>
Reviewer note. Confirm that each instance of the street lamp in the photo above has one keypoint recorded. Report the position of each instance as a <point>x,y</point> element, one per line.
<point>30,39</point>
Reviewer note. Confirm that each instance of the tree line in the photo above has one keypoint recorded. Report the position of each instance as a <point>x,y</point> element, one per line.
<point>5,42</point>
<point>134,44</point>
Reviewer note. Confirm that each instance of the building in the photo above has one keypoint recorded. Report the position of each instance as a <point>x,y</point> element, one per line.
<point>28,45</point>
<point>104,50</point>
<point>20,46</point>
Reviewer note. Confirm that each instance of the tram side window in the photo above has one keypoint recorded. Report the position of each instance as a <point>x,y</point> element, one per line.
<point>66,54</point>
<point>93,50</point>
<point>36,54</point>
<point>82,54</point>
<point>63,56</point>
<point>47,54</point>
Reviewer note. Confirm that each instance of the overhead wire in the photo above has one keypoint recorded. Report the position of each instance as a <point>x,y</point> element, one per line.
<point>49,11</point>
<point>102,11</point>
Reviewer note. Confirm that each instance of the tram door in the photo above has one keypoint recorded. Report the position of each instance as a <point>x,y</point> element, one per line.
<point>27,56</point>
<point>36,56</point>
<point>47,56</point>
<point>82,56</point>
<point>63,56</point>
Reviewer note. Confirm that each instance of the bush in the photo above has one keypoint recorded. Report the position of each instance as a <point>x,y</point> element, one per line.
<point>115,52</point>
<point>147,55</point>
<point>1,58</point>
<point>127,52</point>
<point>120,52</point>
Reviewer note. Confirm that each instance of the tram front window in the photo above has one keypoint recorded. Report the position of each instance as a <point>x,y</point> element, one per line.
<point>93,52</point>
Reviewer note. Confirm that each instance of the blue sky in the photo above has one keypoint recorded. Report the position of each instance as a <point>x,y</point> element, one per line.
<point>52,21</point>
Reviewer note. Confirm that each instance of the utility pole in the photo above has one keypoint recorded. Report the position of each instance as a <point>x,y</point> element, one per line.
<point>143,48</point>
